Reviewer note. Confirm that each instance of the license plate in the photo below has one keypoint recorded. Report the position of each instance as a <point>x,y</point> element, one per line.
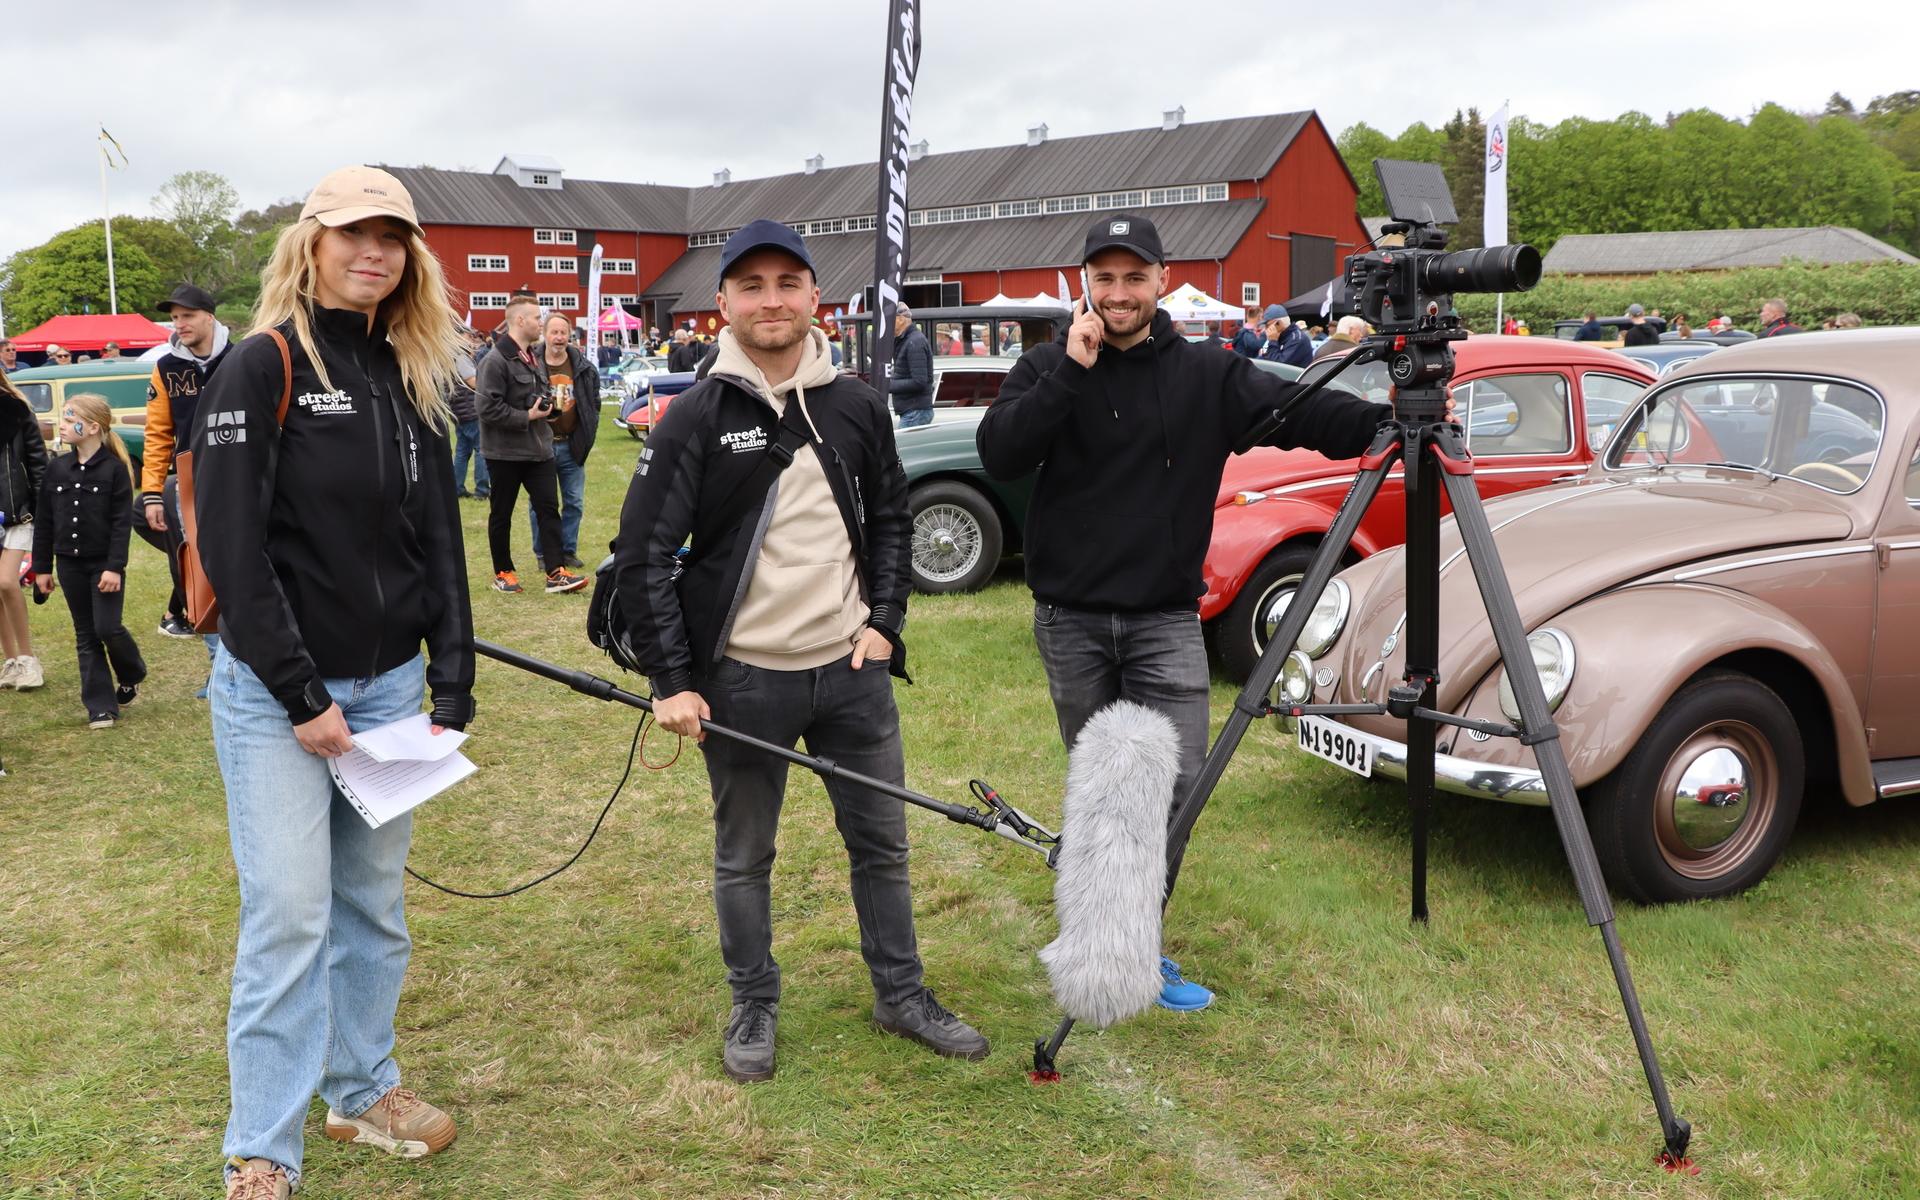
<point>1337,744</point>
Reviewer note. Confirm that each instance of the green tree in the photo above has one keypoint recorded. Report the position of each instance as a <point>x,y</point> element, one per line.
<point>68,274</point>
<point>172,254</point>
<point>200,205</point>
<point>1847,179</point>
<point>1359,146</point>
<point>1838,106</point>
<point>1465,165</point>
<point>1769,189</point>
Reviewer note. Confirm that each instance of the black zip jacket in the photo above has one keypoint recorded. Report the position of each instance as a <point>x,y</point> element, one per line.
<point>332,543</point>
<point>911,387</point>
<point>1130,454</point>
<point>86,511</point>
<point>586,398</point>
<point>509,383</point>
<point>23,460</point>
<point>707,443</point>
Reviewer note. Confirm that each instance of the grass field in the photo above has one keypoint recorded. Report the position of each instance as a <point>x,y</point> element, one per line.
<point>574,1030</point>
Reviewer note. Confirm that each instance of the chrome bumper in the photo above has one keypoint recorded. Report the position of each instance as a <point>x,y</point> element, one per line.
<point>1460,776</point>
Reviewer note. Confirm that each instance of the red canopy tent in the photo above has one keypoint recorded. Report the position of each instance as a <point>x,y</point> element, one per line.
<point>90,333</point>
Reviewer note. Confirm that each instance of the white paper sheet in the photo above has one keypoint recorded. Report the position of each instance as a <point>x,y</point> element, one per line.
<point>408,738</point>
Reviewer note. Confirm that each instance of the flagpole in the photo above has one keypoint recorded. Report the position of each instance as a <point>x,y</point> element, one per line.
<point>106,218</point>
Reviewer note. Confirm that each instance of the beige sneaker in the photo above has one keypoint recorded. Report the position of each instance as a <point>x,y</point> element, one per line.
<point>9,673</point>
<point>400,1123</point>
<point>30,675</point>
<point>257,1179</point>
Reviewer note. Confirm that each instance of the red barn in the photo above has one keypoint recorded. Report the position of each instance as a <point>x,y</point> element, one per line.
<point>1252,210</point>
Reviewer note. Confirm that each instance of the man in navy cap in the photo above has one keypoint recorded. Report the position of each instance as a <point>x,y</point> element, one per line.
<point>1129,426</point>
<point>783,621</point>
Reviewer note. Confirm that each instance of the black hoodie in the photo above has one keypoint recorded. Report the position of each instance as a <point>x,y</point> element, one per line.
<point>1130,454</point>
<point>333,542</point>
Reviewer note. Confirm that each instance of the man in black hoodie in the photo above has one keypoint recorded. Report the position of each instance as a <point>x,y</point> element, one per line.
<point>1130,426</point>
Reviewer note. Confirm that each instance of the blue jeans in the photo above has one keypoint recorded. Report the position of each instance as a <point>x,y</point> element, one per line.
<point>1156,659</point>
<point>573,498</point>
<point>916,416</point>
<point>466,445</point>
<point>323,937</point>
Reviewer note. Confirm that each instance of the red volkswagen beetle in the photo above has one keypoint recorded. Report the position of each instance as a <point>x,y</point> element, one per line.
<point>1536,409</point>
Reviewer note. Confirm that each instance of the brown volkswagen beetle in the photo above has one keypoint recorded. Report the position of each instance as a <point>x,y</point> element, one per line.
<point>1724,610</point>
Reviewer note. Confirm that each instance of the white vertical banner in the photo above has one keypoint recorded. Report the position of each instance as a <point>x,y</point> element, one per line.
<point>593,301</point>
<point>1496,194</point>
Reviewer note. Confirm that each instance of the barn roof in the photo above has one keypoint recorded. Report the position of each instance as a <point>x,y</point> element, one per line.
<point>1713,250</point>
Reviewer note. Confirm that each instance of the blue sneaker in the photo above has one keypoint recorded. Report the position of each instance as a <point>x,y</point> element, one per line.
<point>1178,994</point>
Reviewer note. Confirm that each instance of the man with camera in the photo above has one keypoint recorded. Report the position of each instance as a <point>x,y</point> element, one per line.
<point>1130,426</point>
<point>516,438</point>
<point>783,621</point>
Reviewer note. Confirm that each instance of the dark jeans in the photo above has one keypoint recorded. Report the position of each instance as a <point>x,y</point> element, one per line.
<point>916,416</point>
<point>167,543</point>
<point>539,478</point>
<point>1156,659</point>
<point>573,499</point>
<point>99,638</point>
<point>466,444</point>
<point>842,714</point>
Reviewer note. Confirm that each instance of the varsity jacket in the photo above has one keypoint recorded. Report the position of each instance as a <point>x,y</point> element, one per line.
<point>86,511</point>
<point>173,394</point>
<point>707,444</point>
<point>1130,453</point>
<point>333,542</point>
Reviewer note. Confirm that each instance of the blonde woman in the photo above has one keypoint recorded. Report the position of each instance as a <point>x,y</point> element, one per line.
<point>81,531</point>
<point>334,548</point>
<point>23,457</point>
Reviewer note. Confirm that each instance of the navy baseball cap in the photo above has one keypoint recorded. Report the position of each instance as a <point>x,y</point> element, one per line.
<point>762,235</point>
<point>1128,232</point>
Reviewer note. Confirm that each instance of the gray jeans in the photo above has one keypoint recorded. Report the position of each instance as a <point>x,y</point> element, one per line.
<point>1156,659</point>
<point>849,717</point>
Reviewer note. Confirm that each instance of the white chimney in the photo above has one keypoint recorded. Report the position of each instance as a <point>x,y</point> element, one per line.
<point>917,151</point>
<point>1173,118</point>
<point>722,177</point>
<point>815,163</point>
<point>1036,134</point>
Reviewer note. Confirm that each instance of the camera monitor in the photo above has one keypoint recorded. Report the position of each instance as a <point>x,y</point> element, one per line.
<point>1415,191</point>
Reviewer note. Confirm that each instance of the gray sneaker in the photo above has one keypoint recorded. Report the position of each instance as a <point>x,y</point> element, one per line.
<point>922,1019</point>
<point>748,1053</point>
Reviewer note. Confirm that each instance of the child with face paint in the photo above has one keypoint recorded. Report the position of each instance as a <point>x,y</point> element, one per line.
<point>80,536</point>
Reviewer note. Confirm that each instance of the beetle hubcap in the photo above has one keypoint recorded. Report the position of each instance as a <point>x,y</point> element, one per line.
<point>946,542</point>
<point>1716,799</point>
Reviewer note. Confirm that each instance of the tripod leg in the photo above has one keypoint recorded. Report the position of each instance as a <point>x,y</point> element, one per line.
<point>1423,651</point>
<point>1457,474</point>
<point>1249,704</point>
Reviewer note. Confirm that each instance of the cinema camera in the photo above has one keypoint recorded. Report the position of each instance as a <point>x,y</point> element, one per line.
<point>1406,292</point>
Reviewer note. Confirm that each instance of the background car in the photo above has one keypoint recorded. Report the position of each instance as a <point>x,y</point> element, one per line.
<point>1724,627</point>
<point>123,381</point>
<point>1615,327</point>
<point>649,397</point>
<point>1536,410</point>
<point>1668,354</point>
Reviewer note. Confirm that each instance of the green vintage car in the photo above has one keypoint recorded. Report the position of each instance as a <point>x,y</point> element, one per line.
<point>964,522</point>
<point>123,381</point>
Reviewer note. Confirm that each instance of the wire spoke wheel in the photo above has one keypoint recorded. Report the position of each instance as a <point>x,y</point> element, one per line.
<point>946,542</point>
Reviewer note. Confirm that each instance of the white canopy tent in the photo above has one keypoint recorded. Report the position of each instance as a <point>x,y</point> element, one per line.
<point>1189,303</point>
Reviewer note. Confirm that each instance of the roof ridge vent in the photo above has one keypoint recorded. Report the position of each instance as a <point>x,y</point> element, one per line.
<point>1036,134</point>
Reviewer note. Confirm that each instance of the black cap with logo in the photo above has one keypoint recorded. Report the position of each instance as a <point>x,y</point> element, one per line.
<point>1127,232</point>
<point>187,296</point>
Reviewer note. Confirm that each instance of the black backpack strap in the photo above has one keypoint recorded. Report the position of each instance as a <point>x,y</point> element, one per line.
<point>791,435</point>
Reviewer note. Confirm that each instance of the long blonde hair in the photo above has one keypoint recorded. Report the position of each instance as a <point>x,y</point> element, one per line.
<point>92,406</point>
<point>421,324</point>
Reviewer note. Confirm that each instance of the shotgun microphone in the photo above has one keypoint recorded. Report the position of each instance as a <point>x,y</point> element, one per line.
<point>1105,965</point>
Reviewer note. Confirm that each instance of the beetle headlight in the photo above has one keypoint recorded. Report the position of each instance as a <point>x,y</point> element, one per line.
<point>1328,618</point>
<point>1553,661</point>
<point>1296,679</point>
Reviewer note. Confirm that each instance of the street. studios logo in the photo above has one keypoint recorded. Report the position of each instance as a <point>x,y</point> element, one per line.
<point>742,440</point>
<point>226,428</point>
<point>327,403</point>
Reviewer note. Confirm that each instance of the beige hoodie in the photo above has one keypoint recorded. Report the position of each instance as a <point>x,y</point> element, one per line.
<point>802,607</point>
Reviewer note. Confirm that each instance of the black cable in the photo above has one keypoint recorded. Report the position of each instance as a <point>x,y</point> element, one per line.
<point>632,752</point>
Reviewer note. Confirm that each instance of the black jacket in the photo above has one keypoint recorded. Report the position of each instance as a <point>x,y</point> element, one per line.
<point>702,449</point>
<point>23,459</point>
<point>586,397</point>
<point>1643,334</point>
<point>86,511</point>
<point>510,382</point>
<point>684,356</point>
<point>911,387</point>
<point>1130,454</point>
<point>333,543</point>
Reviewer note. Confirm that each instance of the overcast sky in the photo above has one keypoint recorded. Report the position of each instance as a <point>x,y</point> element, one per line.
<point>274,96</point>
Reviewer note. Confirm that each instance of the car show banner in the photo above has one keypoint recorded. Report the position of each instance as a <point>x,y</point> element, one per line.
<point>1496,198</point>
<point>593,300</point>
<point>890,215</point>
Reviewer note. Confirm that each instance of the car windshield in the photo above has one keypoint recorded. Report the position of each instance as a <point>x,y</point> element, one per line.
<point>1816,431</point>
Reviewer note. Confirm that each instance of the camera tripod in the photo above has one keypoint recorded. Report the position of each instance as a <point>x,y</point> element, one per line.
<point>1435,457</point>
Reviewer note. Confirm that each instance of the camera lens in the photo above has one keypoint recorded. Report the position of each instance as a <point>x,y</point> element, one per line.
<point>1488,269</point>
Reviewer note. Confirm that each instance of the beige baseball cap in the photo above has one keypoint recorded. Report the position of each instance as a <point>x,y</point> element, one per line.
<point>357,193</point>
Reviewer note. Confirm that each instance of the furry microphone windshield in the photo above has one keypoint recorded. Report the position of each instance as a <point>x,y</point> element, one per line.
<point>1105,964</point>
